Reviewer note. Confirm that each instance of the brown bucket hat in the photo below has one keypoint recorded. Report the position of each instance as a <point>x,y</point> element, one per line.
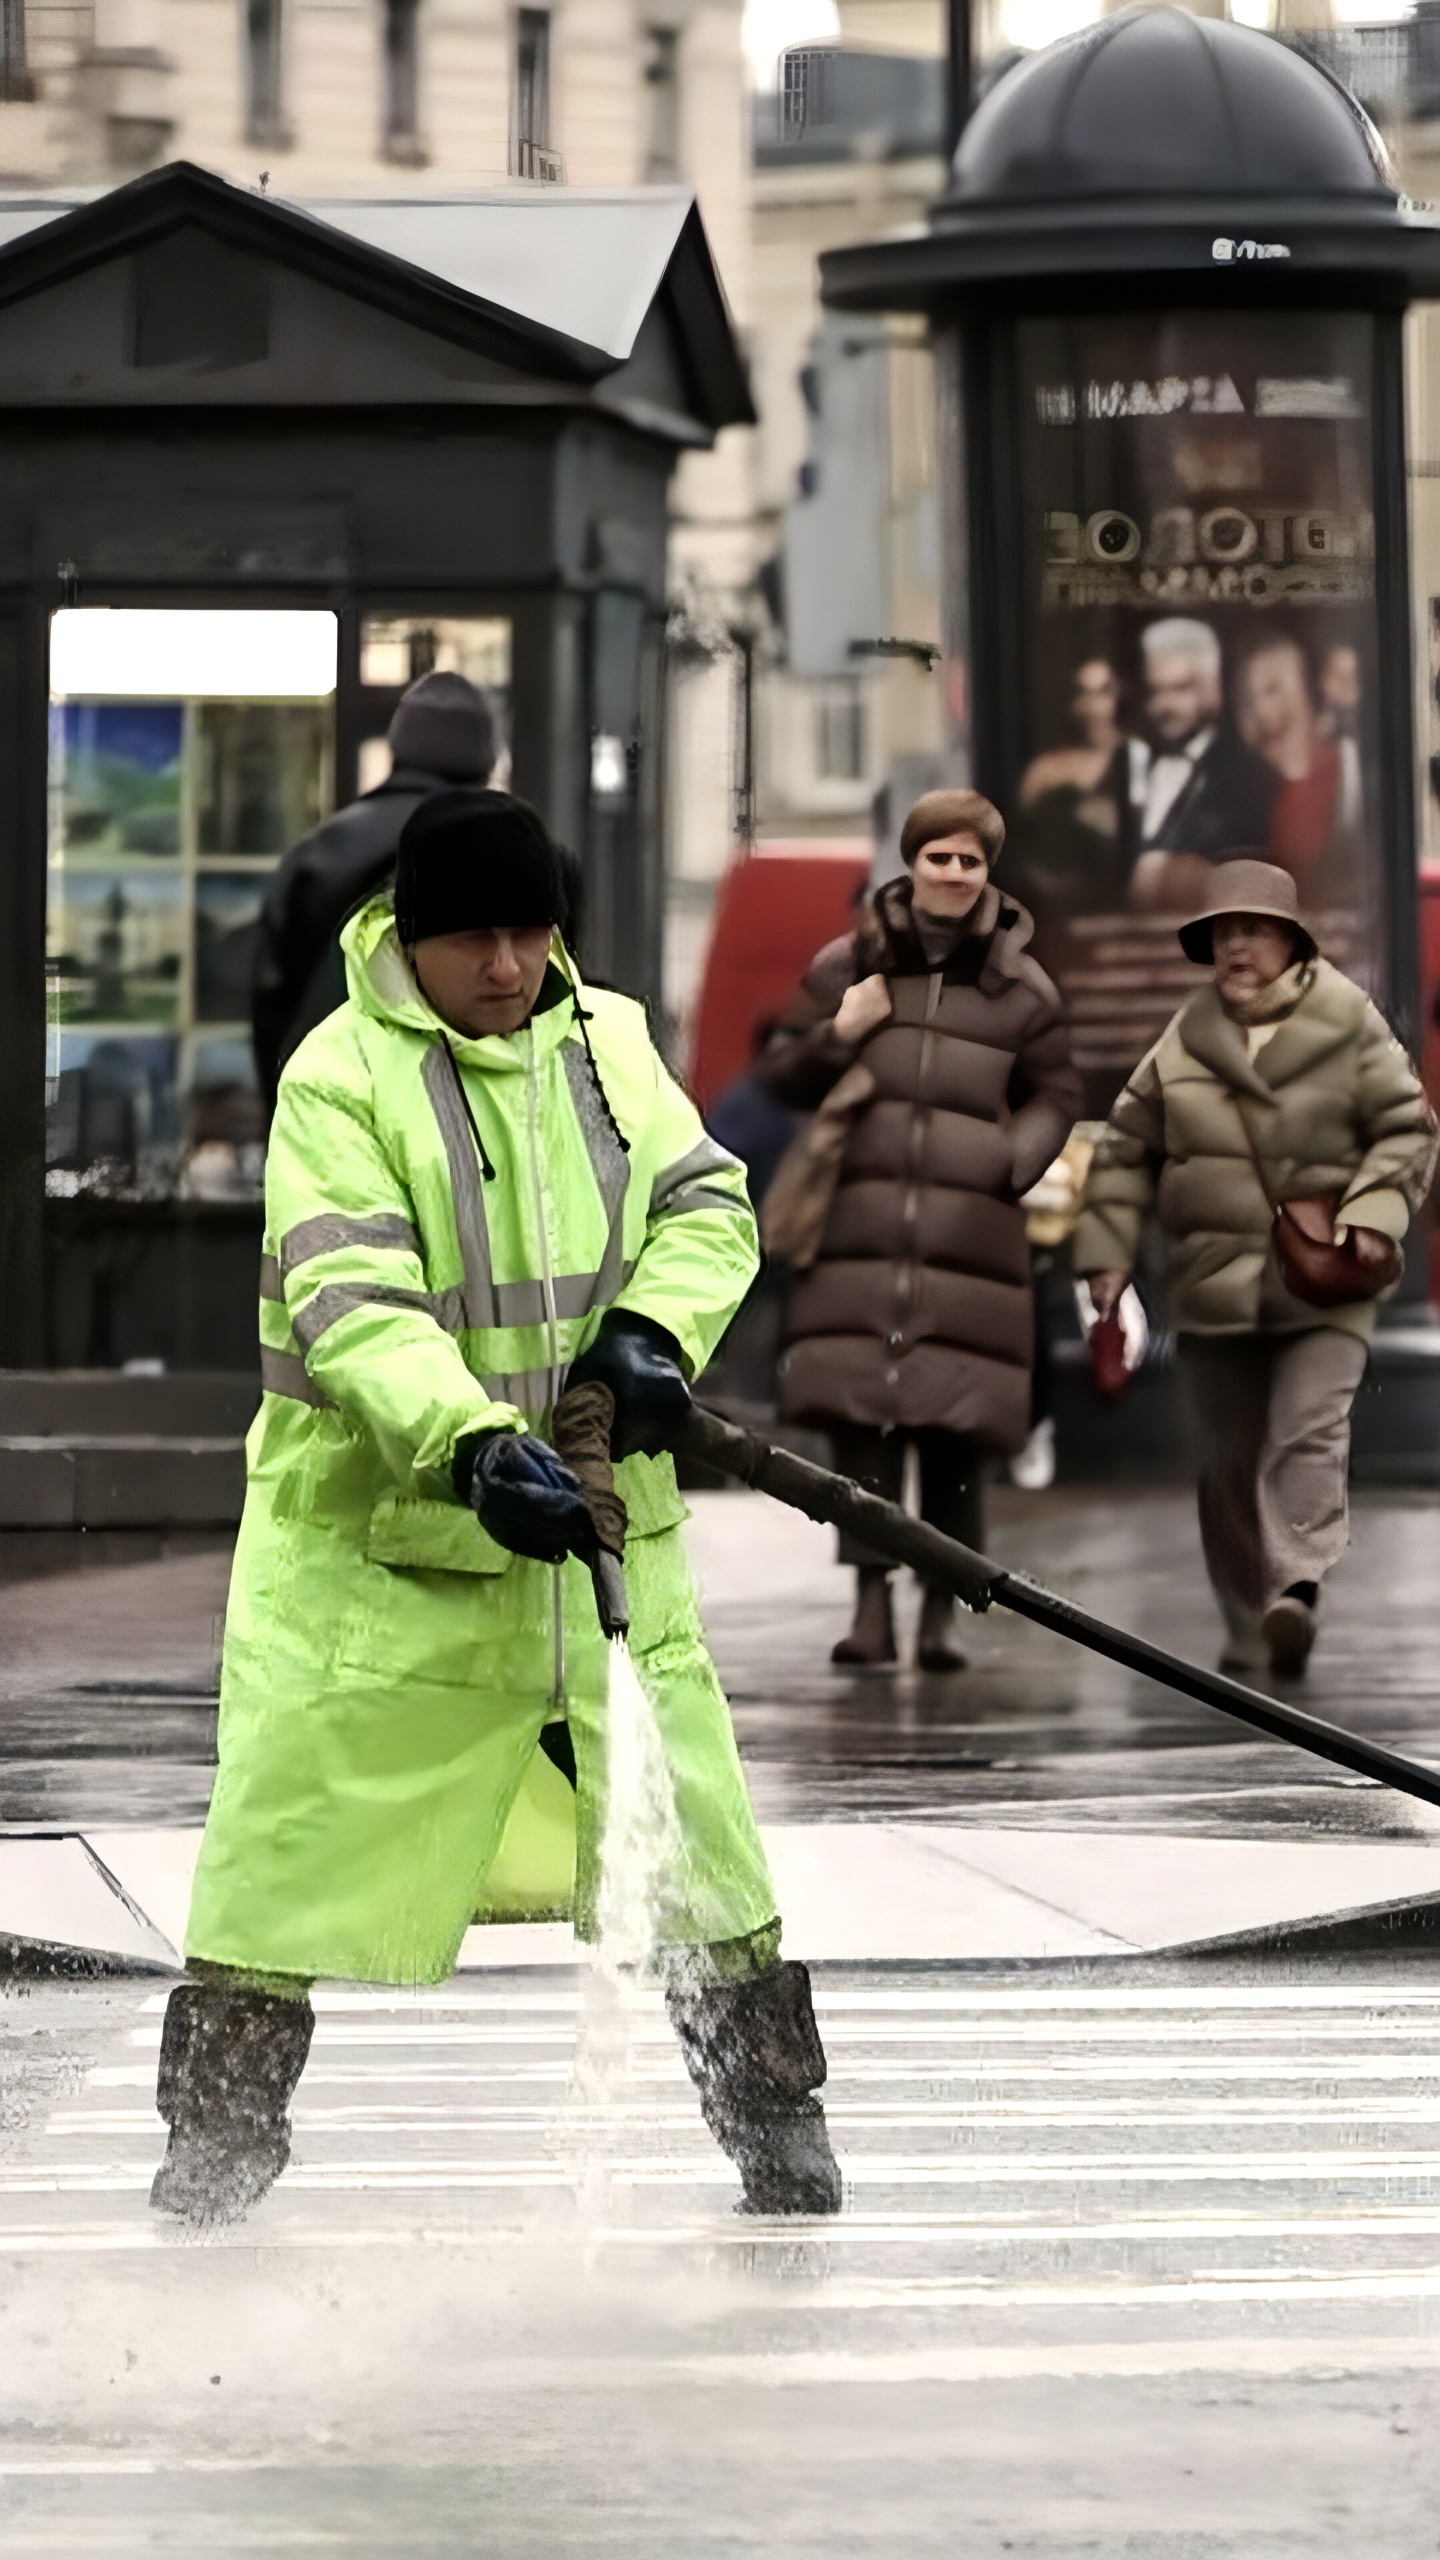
<point>1246,886</point>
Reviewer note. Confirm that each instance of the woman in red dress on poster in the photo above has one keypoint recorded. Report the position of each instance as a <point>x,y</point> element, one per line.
<point>1277,714</point>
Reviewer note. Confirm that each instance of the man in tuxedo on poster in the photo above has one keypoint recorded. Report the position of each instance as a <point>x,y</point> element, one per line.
<point>1196,789</point>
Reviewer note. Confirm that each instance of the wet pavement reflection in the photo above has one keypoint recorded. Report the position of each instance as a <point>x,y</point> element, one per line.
<point>107,1680</point>
<point>1035,1725</point>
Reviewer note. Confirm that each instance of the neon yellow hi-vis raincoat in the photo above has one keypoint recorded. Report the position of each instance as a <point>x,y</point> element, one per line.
<point>388,1668</point>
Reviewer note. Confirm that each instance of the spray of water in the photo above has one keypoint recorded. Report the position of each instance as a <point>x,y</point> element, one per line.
<point>625,2066</point>
<point>640,1851</point>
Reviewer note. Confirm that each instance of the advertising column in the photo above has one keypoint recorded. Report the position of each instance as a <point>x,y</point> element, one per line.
<point>1200,647</point>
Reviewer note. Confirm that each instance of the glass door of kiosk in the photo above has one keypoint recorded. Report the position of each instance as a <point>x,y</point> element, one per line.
<point>188,751</point>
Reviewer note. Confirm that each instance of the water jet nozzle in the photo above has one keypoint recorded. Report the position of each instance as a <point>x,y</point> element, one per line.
<point>584,1419</point>
<point>611,1604</point>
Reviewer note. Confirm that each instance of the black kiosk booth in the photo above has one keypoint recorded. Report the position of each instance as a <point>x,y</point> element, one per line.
<point>1166,290</point>
<point>399,433</point>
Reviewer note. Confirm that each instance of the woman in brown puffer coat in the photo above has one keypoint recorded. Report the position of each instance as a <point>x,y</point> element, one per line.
<point>914,1324</point>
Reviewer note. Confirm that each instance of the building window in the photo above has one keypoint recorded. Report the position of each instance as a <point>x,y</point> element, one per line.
<point>402,84</point>
<point>533,157</point>
<point>807,88</point>
<point>840,734</point>
<point>662,103</point>
<point>15,81</point>
<point>265,73</point>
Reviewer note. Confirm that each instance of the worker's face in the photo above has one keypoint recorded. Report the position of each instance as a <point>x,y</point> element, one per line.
<point>1180,697</point>
<point>1251,952</point>
<point>949,875</point>
<point>484,981</point>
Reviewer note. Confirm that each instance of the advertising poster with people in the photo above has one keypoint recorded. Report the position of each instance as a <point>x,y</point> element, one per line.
<point>1200,647</point>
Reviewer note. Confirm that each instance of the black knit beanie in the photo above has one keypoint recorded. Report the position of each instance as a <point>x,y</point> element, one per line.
<point>472,859</point>
<point>443,724</point>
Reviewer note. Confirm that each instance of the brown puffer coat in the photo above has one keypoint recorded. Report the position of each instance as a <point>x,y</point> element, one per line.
<point>917,1311</point>
<point>1331,1104</point>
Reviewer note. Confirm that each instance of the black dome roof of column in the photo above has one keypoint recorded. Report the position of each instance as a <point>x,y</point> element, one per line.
<point>1156,153</point>
<point>1157,102</point>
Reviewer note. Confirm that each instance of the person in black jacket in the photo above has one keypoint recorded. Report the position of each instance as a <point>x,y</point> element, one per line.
<point>443,732</point>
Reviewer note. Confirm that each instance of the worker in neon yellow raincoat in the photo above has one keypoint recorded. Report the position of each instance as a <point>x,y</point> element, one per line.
<point>481,1179</point>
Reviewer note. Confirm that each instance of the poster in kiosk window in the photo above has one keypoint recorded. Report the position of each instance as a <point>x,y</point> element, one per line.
<point>1200,642</point>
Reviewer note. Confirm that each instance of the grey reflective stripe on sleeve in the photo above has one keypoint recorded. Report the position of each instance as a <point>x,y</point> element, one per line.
<point>611,1167</point>
<point>677,1202</point>
<point>706,1156</point>
<point>332,1232</point>
<point>283,1373</point>
<point>343,1297</point>
<point>271,1285</point>
<point>465,1188</point>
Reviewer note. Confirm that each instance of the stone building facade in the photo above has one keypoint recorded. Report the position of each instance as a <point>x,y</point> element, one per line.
<point>325,98</point>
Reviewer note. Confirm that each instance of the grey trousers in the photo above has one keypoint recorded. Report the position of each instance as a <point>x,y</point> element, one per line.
<point>1271,1414</point>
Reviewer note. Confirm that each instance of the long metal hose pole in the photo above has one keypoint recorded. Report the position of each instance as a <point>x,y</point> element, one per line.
<point>981,1585</point>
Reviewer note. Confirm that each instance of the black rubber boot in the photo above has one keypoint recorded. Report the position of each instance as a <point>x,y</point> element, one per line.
<point>754,2053</point>
<point>229,2063</point>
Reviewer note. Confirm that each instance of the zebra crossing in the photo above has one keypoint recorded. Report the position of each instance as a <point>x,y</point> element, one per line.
<point>1126,2267</point>
<point>1043,2159</point>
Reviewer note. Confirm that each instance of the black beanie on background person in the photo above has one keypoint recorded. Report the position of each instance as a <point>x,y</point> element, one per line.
<point>443,724</point>
<point>469,860</point>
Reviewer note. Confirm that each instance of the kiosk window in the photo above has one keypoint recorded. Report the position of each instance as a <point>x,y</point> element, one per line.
<point>188,751</point>
<point>396,649</point>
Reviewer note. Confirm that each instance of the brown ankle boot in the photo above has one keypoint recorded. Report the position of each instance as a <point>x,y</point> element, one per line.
<point>872,1637</point>
<point>937,1649</point>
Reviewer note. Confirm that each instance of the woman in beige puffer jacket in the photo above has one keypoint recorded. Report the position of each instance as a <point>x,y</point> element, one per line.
<point>1279,1080</point>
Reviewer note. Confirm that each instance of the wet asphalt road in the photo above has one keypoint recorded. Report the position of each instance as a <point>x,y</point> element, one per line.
<point>107,1682</point>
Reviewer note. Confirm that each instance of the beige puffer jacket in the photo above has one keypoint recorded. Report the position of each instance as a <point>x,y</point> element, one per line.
<point>1331,1102</point>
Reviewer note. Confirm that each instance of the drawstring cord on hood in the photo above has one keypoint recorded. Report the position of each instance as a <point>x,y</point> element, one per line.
<point>486,1166</point>
<point>602,1097</point>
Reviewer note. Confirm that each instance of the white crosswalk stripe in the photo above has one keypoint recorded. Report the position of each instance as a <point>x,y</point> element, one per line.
<point>1035,2156</point>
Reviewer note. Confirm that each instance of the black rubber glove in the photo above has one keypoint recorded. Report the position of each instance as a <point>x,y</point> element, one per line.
<point>524,1496</point>
<point>640,1364</point>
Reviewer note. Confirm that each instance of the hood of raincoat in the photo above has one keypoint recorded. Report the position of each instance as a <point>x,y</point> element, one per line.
<point>384,986</point>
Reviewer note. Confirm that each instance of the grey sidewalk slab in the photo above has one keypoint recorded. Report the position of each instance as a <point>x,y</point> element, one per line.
<point>848,1891</point>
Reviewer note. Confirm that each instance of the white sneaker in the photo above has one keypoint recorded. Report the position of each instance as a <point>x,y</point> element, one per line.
<point>1033,1467</point>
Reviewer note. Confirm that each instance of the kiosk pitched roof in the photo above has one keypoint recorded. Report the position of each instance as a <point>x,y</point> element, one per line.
<point>557,282</point>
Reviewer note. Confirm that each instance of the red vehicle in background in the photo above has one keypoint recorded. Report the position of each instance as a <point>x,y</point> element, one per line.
<point>776,908</point>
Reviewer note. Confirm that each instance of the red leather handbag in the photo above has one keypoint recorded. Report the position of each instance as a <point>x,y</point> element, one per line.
<point>1110,1371</point>
<point>1317,1269</point>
